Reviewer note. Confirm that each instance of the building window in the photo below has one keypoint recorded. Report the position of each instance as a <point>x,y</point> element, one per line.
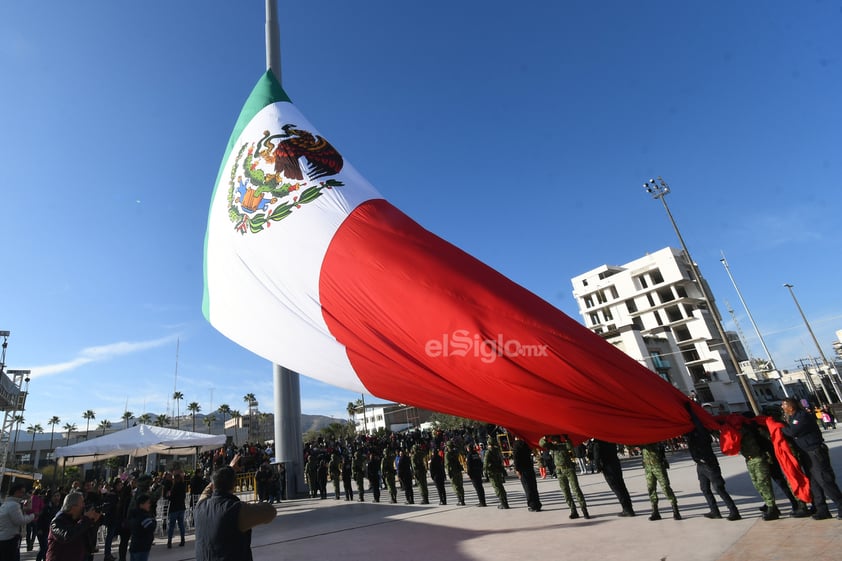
<point>606,313</point>
<point>673,314</point>
<point>600,296</point>
<point>584,282</point>
<point>613,290</point>
<point>650,299</point>
<point>641,281</point>
<point>588,301</point>
<point>594,319</point>
<point>682,293</point>
<point>631,306</point>
<point>637,324</point>
<point>666,295</point>
<point>656,276</point>
<point>658,318</point>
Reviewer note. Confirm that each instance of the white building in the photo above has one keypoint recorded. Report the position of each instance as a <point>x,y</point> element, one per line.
<point>394,417</point>
<point>653,310</point>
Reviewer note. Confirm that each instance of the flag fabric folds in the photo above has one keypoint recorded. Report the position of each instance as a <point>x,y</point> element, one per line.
<point>308,266</point>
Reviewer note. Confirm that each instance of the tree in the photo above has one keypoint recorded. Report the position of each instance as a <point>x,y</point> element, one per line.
<point>178,396</point>
<point>236,415</point>
<point>68,428</point>
<point>251,400</point>
<point>127,415</point>
<point>194,408</point>
<point>53,422</point>
<point>162,420</point>
<point>34,429</point>
<point>144,419</point>
<point>16,420</point>
<point>225,409</point>
<point>88,415</point>
<point>209,420</point>
<point>104,425</point>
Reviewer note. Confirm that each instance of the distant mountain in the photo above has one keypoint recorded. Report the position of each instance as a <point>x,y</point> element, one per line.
<point>318,422</point>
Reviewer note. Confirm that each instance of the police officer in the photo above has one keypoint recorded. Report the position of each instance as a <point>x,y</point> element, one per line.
<point>525,469</point>
<point>474,462</point>
<point>804,430</point>
<point>452,460</point>
<point>495,470</point>
<point>606,461</point>
<point>405,476</point>
<point>438,475</point>
<point>565,469</point>
<point>387,468</point>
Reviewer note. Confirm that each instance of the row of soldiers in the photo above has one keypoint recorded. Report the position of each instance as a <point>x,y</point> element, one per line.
<point>405,466</point>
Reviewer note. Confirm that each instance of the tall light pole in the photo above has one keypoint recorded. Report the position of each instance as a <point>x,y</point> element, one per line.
<point>659,190</point>
<point>753,324</point>
<point>830,369</point>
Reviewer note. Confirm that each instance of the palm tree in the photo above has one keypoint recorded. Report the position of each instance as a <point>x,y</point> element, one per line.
<point>194,408</point>
<point>177,396</point>
<point>127,415</point>
<point>209,420</point>
<point>104,425</point>
<point>34,429</point>
<point>16,420</point>
<point>162,420</point>
<point>144,419</point>
<point>252,403</point>
<point>53,422</point>
<point>225,409</point>
<point>68,428</point>
<point>89,415</point>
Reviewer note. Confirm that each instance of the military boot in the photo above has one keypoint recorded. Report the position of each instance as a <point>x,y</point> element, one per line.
<point>772,513</point>
<point>675,514</point>
<point>656,515</point>
<point>574,514</point>
<point>585,514</point>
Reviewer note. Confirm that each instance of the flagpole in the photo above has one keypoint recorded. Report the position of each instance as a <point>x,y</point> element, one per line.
<point>289,447</point>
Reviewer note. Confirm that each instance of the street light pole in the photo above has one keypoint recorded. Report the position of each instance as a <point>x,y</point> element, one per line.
<point>825,363</point>
<point>659,190</point>
<point>753,324</point>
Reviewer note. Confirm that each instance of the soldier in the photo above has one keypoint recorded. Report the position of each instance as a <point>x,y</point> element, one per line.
<point>453,463</point>
<point>655,467</point>
<point>405,476</point>
<point>311,473</point>
<point>373,474</point>
<point>759,468</point>
<point>347,471</point>
<point>606,461</point>
<point>475,472</point>
<point>359,469</point>
<point>565,469</point>
<point>438,475</point>
<point>495,471</point>
<point>334,468</point>
<point>387,468</point>
<point>321,474</point>
<point>419,470</point>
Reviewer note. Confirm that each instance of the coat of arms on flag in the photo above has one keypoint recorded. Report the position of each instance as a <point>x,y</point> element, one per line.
<point>258,196</point>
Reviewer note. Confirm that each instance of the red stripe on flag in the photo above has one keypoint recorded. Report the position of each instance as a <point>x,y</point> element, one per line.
<point>420,319</point>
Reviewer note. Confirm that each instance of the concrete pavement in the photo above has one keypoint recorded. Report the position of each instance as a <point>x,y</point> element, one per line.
<point>327,530</point>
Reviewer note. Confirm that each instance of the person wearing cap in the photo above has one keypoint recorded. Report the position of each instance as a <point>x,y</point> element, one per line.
<point>223,522</point>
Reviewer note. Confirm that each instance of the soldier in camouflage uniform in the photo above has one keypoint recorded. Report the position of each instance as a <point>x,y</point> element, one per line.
<point>419,471</point>
<point>311,474</point>
<point>655,466</point>
<point>453,463</point>
<point>334,468</point>
<point>359,472</point>
<point>495,471</point>
<point>387,468</point>
<point>565,469</point>
<point>758,466</point>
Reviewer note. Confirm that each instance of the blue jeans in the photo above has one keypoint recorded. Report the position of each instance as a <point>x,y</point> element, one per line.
<point>173,518</point>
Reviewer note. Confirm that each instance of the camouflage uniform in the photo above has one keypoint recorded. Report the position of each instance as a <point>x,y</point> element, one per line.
<point>387,468</point>
<point>311,473</point>
<point>334,468</point>
<point>565,469</point>
<point>757,464</point>
<point>655,466</point>
<point>419,471</point>
<point>359,472</point>
<point>453,463</point>
<point>495,471</point>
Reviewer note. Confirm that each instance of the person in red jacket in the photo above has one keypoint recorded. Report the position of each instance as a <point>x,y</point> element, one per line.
<point>67,540</point>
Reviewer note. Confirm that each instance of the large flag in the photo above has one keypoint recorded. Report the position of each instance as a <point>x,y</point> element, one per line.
<point>308,266</point>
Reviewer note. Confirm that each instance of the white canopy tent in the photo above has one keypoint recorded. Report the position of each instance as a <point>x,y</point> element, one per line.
<point>139,440</point>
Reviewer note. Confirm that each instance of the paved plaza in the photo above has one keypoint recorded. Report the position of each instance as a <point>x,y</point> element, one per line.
<point>328,530</point>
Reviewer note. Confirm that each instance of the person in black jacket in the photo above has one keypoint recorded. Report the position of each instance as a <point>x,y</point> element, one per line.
<point>69,529</point>
<point>606,461</point>
<point>525,469</point>
<point>42,523</point>
<point>804,430</point>
<point>142,523</point>
<point>474,461</point>
<point>708,470</point>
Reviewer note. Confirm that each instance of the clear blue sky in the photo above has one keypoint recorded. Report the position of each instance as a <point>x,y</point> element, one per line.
<point>521,132</point>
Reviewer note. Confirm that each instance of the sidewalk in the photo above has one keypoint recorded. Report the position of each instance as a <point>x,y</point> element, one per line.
<point>328,530</point>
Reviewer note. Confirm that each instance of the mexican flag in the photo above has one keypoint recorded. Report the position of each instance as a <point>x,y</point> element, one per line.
<point>308,266</point>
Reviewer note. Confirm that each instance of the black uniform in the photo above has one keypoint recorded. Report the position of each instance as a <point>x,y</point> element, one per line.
<point>606,461</point>
<point>522,456</point>
<point>475,473</point>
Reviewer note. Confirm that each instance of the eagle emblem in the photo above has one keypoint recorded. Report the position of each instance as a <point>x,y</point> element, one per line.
<point>277,174</point>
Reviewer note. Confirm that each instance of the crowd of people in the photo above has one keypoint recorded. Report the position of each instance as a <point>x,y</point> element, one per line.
<point>65,523</point>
